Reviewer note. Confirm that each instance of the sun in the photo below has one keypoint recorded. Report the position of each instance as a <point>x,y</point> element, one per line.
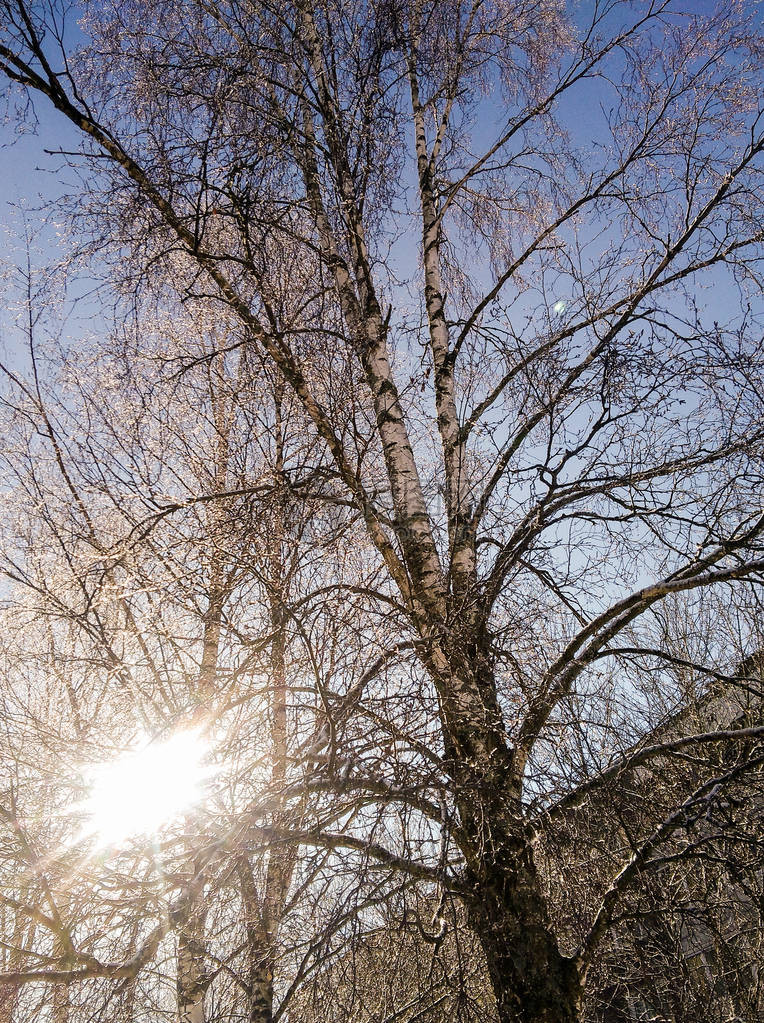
<point>145,789</point>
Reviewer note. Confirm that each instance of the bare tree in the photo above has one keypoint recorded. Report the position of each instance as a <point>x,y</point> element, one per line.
<point>153,559</point>
<point>548,428</point>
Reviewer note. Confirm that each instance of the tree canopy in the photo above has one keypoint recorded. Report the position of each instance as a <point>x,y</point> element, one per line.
<point>413,464</point>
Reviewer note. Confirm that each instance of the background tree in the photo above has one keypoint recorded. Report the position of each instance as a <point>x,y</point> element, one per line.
<point>153,559</point>
<point>544,426</point>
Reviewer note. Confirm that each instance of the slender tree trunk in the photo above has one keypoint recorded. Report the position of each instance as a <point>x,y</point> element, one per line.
<point>60,1003</point>
<point>261,988</point>
<point>191,980</point>
<point>259,949</point>
<point>23,935</point>
<point>190,992</point>
<point>264,916</point>
<point>9,996</point>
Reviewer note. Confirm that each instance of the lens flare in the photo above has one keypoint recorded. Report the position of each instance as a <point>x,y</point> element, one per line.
<point>143,790</point>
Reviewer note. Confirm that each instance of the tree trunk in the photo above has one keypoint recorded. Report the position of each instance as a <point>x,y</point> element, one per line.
<point>261,988</point>
<point>191,982</point>
<point>264,914</point>
<point>23,936</point>
<point>61,1003</point>
<point>60,995</point>
<point>532,981</point>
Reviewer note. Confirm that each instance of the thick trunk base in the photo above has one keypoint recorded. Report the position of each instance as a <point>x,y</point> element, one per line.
<point>532,981</point>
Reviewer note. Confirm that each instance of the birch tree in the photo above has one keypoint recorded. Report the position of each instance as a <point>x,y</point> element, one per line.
<point>151,589</point>
<point>523,326</point>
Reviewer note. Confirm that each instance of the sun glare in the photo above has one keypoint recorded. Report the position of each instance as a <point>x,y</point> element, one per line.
<point>145,789</point>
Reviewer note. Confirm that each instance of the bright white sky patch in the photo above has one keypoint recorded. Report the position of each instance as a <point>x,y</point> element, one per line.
<point>141,791</point>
